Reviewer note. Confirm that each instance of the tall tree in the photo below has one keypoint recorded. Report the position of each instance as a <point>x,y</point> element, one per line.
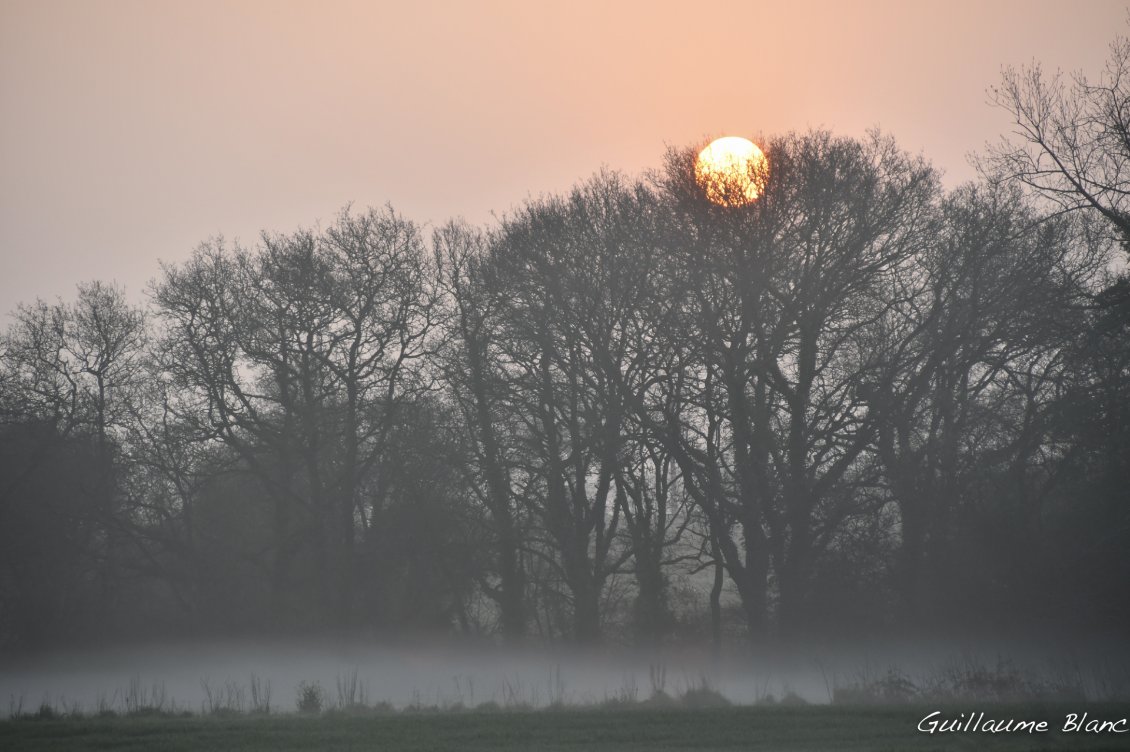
<point>577,312</point>
<point>963,362</point>
<point>298,356</point>
<point>71,376</point>
<point>473,372</point>
<point>780,289</point>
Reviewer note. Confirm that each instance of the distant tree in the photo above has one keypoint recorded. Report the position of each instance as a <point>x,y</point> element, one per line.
<point>71,376</point>
<point>76,364</point>
<point>298,356</point>
<point>424,549</point>
<point>54,582</point>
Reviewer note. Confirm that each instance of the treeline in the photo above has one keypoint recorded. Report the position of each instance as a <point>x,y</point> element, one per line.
<point>859,403</point>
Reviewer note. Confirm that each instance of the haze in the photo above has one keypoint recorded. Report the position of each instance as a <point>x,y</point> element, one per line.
<point>453,673</point>
<point>847,423</point>
<point>132,131</point>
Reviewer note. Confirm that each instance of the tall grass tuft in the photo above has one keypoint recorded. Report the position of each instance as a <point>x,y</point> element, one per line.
<point>260,696</point>
<point>352,693</point>
<point>147,701</point>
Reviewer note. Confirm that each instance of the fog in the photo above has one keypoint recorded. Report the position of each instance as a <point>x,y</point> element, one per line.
<point>447,676</point>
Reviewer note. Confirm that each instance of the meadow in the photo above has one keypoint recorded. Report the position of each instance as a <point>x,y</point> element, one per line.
<point>746,728</point>
<point>867,709</point>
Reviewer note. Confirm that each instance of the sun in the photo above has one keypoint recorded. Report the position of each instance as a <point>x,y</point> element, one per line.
<point>731,171</point>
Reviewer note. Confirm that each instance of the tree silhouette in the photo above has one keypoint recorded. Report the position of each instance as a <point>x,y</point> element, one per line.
<point>1071,139</point>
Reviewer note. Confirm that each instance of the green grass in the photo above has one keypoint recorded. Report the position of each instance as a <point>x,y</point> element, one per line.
<point>749,729</point>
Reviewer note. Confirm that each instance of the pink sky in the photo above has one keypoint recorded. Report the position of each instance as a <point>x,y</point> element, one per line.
<point>132,131</point>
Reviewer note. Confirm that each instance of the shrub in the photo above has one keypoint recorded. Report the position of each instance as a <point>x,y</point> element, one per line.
<point>894,687</point>
<point>311,698</point>
<point>704,696</point>
<point>660,699</point>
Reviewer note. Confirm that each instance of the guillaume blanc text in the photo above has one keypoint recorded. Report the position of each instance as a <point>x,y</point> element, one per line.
<point>979,722</point>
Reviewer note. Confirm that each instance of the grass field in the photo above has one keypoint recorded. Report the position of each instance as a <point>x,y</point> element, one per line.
<point>748,729</point>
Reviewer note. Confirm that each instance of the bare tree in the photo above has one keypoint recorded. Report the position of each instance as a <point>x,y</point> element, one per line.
<point>773,435</point>
<point>962,363</point>
<point>71,376</point>
<point>1071,138</point>
<point>656,512</point>
<point>298,357</point>
<point>576,317</point>
<point>472,371</point>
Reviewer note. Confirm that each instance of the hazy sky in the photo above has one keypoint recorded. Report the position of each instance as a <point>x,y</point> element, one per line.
<point>132,131</point>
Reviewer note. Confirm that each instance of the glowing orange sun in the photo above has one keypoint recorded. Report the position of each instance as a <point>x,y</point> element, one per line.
<point>731,171</point>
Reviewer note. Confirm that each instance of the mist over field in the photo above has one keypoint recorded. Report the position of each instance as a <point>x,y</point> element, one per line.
<point>448,676</point>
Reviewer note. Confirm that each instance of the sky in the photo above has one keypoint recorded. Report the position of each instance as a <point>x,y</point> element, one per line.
<point>130,132</point>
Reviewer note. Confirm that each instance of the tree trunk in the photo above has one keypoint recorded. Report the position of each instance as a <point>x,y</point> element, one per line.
<point>651,616</point>
<point>512,599</point>
<point>716,599</point>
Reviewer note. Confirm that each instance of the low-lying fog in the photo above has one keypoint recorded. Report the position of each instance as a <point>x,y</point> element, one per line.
<point>446,676</point>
